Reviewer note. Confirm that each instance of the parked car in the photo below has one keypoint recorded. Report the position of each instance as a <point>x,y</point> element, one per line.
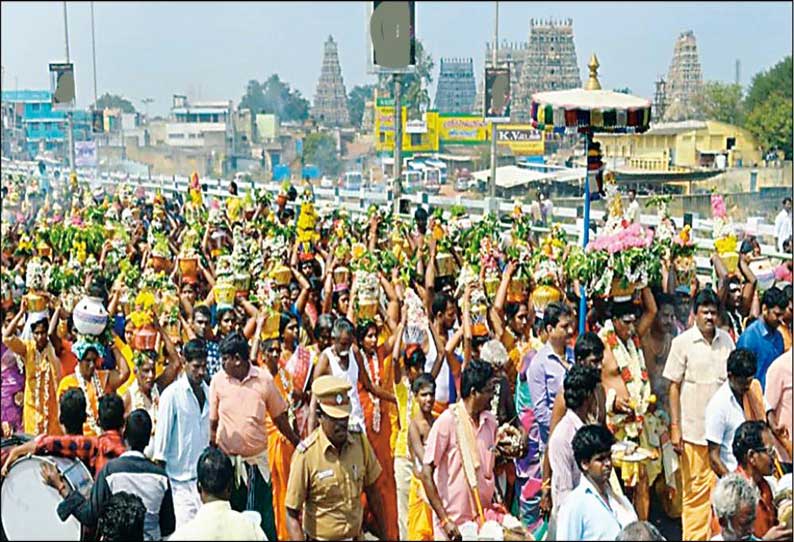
<point>326,182</point>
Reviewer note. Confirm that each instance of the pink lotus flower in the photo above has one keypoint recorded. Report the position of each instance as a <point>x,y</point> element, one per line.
<point>718,209</point>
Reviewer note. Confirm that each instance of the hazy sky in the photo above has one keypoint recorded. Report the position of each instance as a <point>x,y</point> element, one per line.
<point>211,49</point>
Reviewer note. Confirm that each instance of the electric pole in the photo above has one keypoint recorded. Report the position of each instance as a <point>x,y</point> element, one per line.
<point>398,140</point>
<point>69,127</point>
<point>494,60</point>
<point>93,59</point>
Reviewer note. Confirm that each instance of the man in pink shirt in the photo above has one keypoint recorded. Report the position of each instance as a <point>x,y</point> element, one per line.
<point>778,395</point>
<point>464,433</point>
<point>241,395</point>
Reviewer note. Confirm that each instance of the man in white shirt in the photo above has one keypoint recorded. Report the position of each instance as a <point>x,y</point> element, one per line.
<point>783,224</point>
<point>633,210</point>
<point>216,520</point>
<point>184,429</point>
<point>725,411</point>
<point>593,511</point>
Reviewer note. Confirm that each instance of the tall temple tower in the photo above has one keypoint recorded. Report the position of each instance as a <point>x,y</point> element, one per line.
<point>550,63</point>
<point>330,99</point>
<point>456,88</point>
<point>684,79</point>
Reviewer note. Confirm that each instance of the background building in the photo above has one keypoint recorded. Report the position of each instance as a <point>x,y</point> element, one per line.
<point>330,99</point>
<point>689,144</point>
<point>200,125</point>
<point>30,118</point>
<point>684,80</point>
<point>456,90</point>
<point>550,63</point>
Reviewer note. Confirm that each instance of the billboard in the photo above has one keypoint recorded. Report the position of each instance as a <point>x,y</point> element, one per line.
<point>62,86</point>
<point>463,129</point>
<point>85,153</point>
<point>391,37</point>
<point>521,139</point>
<point>497,94</point>
<point>423,136</point>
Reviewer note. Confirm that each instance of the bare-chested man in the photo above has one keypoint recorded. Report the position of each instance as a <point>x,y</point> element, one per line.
<point>624,364</point>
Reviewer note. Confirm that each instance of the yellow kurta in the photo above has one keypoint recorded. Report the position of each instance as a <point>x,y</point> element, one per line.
<point>126,351</point>
<point>40,414</point>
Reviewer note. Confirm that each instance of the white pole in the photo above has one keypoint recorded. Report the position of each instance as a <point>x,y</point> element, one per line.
<point>69,127</point>
<point>494,61</point>
<point>93,59</point>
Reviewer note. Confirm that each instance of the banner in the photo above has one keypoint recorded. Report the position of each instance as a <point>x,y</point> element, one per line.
<point>497,94</point>
<point>62,86</point>
<point>85,153</point>
<point>463,129</point>
<point>521,139</point>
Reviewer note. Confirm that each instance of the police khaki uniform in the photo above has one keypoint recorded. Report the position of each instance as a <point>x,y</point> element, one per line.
<point>327,483</point>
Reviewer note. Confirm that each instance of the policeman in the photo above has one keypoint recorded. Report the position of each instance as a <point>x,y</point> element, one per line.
<point>329,470</point>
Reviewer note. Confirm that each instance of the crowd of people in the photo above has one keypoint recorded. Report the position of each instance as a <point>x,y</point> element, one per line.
<point>256,368</point>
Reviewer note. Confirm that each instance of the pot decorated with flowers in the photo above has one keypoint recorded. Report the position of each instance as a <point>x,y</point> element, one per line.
<point>224,292</point>
<point>620,259</point>
<point>725,240</point>
<point>161,253</point>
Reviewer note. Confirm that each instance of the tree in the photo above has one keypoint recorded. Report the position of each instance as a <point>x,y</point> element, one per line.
<point>769,107</point>
<point>320,149</point>
<point>721,102</point>
<point>357,100</point>
<point>776,79</point>
<point>414,94</point>
<point>275,97</point>
<point>770,123</point>
<point>113,101</point>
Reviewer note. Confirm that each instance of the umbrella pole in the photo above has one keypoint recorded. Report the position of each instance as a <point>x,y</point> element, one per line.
<point>585,234</point>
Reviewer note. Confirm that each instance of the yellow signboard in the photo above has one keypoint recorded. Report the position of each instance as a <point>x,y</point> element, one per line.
<point>423,139</point>
<point>521,139</point>
<point>457,129</point>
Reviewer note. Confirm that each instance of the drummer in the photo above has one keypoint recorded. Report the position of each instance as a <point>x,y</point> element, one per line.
<point>72,442</point>
<point>132,472</point>
<point>93,451</point>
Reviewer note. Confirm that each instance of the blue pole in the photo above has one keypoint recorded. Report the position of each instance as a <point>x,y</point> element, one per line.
<point>585,236</point>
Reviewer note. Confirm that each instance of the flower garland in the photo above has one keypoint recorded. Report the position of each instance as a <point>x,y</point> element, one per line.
<point>374,376</point>
<point>138,400</point>
<point>286,383</point>
<point>90,416</point>
<point>495,399</point>
<point>45,370</point>
<point>631,365</point>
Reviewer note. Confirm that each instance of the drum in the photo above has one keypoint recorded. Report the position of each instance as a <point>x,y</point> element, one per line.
<point>30,507</point>
<point>5,448</point>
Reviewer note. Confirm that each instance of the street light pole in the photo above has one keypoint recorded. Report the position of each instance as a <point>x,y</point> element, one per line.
<point>69,126</point>
<point>93,59</point>
<point>398,140</point>
<point>494,61</point>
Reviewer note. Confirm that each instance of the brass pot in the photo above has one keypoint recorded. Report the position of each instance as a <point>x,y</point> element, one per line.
<point>367,309</point>
<point>543,295</point>
<point>341,275</point>
<point>37,302</point>
<point>621,288</point>
<point>224,294</point>
<point>445,264</point>
<point>281,275</point>
<point>517,290</point>
<point>492,285</point>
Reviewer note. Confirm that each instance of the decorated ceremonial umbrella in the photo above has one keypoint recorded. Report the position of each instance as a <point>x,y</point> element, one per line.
<point>589,110</point>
